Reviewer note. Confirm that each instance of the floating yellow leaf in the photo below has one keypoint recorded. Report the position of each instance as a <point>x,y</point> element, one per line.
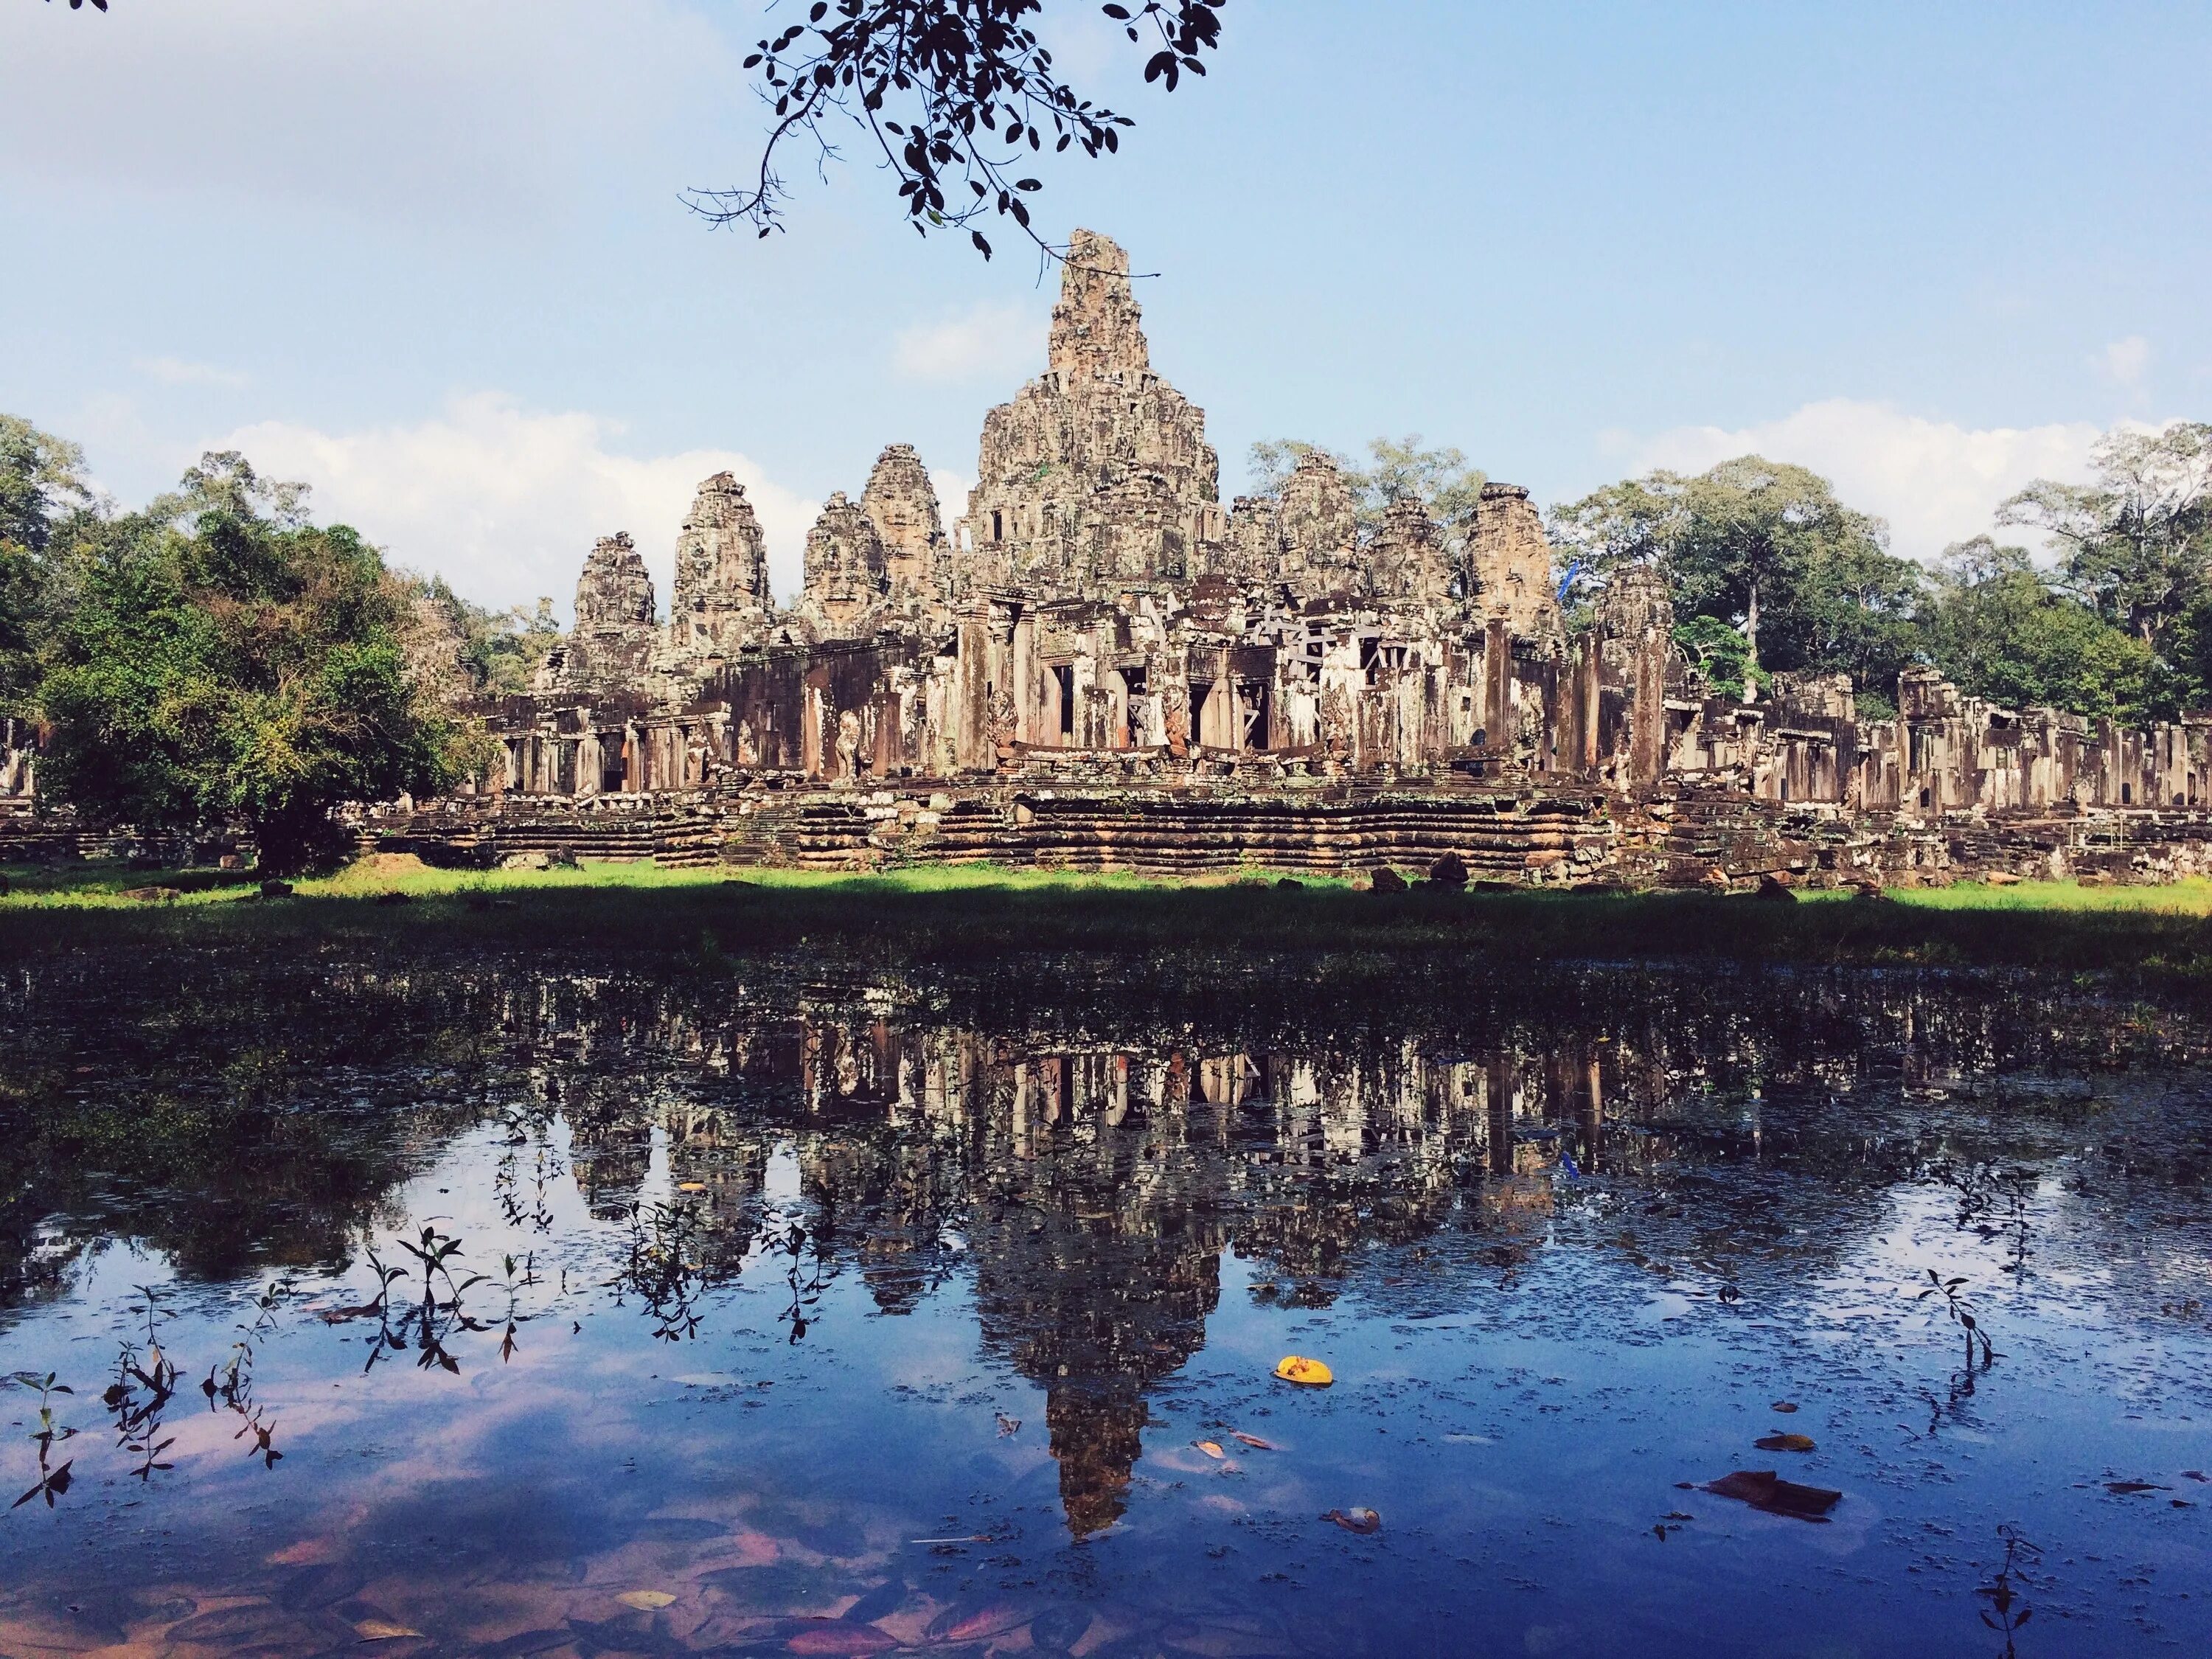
<point>690,1186</point>
<point>1210,1449</point>
<point>1796,1442</point>
<point>381,1629</point>
<point>648,1600</point>
<point>1310,1372</point>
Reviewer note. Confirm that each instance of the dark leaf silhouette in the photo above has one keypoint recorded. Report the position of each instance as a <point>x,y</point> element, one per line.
<point>945,94</point>
<point>50,1486</point>
<point>1763,1489</point>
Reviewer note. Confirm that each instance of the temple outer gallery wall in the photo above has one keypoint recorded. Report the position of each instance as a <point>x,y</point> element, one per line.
<point>1095,664</point>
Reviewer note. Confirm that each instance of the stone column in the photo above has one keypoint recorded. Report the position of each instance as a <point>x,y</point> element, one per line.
<point>1024,688</point>
<point>974,749</point>
<point>1647,746</point>
<point>1497,687</point>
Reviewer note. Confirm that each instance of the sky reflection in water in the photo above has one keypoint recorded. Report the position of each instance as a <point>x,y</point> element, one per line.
<point>496,1313</point>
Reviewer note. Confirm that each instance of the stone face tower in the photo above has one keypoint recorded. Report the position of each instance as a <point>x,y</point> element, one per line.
<point>1099,473</point>
<point>901,503</point>
<point>1510,561</point>
<point>1319,527</point>
<point>848,572</point>
<point>722,599</point>
<point>1405,562</point>
<point>609,646</point>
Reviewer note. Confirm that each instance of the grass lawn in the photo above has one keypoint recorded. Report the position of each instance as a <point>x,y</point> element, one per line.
<point>965,913</point>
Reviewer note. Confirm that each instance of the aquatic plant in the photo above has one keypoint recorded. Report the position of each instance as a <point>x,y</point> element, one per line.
<point>2008,1611</point>
<point>52,1482</point>
<point>1960,1311</point>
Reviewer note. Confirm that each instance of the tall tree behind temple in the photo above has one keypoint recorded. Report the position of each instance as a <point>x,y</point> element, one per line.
<point>2136,544</point>
<point>499,650</point>
<point>1402,471</point>
<point>1766,548</point>
<point>41,484</point>
<point>219,658</point>
<point>1997,630</point>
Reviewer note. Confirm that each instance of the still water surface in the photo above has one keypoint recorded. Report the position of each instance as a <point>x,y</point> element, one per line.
<point>485,1309</point>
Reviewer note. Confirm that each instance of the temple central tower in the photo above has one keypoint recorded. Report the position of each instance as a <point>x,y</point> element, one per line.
<point>1099,473</point>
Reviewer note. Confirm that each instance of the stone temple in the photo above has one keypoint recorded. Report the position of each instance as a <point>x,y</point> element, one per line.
<point>1098,664</point>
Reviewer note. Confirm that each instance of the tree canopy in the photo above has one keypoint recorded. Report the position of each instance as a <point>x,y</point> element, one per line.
<point>1397,470</point>
<point>218,658</point>
<point>41,484</point>
<point>1765,547</point>
<point>2135,544</point>
<point>1998,630</point>
<point>499,652</point>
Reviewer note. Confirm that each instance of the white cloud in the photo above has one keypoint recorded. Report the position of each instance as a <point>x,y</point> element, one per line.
<point>986,342</point>
<point>951,490</point>
<point>1935,482</point>
<point>395,110</point>
<point>175,371</point>
<point>2124,362</point>
<point>505,502</point>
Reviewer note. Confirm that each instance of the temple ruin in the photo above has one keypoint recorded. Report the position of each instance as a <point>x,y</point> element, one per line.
<point>1099,666</point>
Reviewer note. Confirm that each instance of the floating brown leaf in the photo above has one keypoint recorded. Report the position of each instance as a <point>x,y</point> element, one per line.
<point>1254,1441</point>
<point>1790,1442</point>
<point>646,1600</point>
<point>1356,1520</point>
<point>843,1639</point>
<point>2125,1488</point>
<point>1785,1407</point>
<point>1763,1489</point>
<point>382,1630</point>
<point>971,1623</point>
<point>254,1624</point>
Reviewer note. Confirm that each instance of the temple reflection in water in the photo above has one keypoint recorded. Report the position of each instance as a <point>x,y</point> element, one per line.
<point>1078,1172</point>
<point>1089,1192</point>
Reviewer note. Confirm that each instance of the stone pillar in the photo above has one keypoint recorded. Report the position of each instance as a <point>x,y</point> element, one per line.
<point>589,767</point>
<point>1497,687</point>
<point>1024,687</point>
<point>974,749</point>
<point>1589,700</point>
<point>1647,743</point>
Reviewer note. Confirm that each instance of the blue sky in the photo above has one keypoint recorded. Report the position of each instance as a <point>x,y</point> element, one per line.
<point>431,258</point>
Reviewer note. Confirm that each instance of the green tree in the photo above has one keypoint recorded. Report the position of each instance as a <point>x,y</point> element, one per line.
<point>501,650</point>
<point>1722,655</point>
<point>1998,630</point>
<point>218,658</point>
<point>41,486</point>
<point>2134,545</point>
<point>1398,469</point>
<point>1766,548</point>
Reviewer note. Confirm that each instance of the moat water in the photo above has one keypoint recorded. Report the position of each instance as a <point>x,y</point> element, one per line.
<point>758,1307</point>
